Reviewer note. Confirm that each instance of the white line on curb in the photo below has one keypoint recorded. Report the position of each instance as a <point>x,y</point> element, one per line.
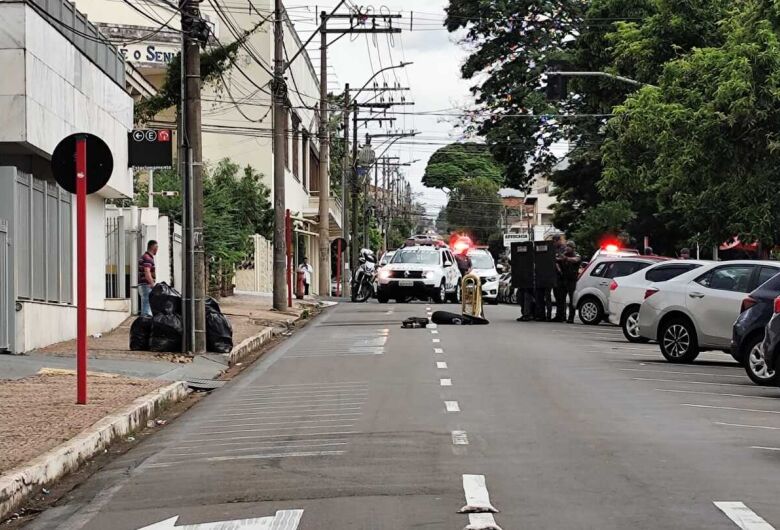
<point>452,406</point>
<point>445,382</point>
<point>441,365</point>
<point>743,516</point>
<point>460,438</point>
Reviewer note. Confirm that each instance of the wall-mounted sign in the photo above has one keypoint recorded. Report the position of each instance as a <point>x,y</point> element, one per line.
<point>151,148</point>
<point>149,53</point>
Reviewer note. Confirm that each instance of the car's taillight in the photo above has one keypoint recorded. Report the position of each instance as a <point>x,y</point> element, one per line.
<point>777,304</point>
<point>650,292</point>
<point>613,285</point>
<point>747,303</point>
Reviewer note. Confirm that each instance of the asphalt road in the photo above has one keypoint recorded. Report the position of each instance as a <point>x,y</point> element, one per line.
<point>361,424</point>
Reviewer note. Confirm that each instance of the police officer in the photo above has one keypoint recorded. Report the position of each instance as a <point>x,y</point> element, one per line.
<point>559,247</point>
<point>570,266</point>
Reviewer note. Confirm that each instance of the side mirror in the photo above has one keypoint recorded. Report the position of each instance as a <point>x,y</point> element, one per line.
<point>500,268</point>
<point>448,264</point>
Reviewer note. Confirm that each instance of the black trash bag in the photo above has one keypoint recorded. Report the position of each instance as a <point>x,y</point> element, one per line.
<point>140,332</point>
<point>445,317</point>
<point>219,333</point>
<point>166,333</point>
<point>165,299</point>
<point>212,305</point>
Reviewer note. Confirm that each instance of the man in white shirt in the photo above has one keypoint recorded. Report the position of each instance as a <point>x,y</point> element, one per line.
<point>307,271</point>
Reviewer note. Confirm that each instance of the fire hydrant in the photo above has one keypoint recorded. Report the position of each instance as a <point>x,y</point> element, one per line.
<point>300,284</point>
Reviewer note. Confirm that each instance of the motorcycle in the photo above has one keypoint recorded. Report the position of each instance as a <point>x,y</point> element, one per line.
<point>364,277</point>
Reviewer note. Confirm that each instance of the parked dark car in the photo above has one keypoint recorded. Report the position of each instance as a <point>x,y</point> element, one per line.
<point>749,328</point>
<point>771,345</point>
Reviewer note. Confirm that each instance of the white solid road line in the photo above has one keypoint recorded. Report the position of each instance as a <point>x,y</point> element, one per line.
<point>712,393</point>
<point>737,376</point>
<point>743,426</point>
<point>729,408</point>
<point>477,496</point>
<point>452,406</point>
<point>460,438</point>
<point>687,382</point>
<point>445,382</point>
<point>743,517</point>
<point>441,365</point>
<point>482,521</point>
<point>765,448</point>
<point>438,350</point>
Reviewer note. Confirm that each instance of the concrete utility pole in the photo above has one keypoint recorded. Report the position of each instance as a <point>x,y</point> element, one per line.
<point>345,177</point>
<point>194,321</point>
<point>280,133</point>
<point>324,202</point>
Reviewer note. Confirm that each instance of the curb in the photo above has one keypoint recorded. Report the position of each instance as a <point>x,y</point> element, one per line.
<point>248,345</point>
<point>20,482</point>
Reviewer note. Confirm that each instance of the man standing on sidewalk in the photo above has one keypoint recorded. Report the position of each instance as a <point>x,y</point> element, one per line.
<point>307,271</point>
<point>147,276</point>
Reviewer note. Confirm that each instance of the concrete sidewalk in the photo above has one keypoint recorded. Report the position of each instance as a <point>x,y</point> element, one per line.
<point>251,317</point>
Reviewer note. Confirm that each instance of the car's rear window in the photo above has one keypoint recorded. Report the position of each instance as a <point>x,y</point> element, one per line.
<point>667,272</point>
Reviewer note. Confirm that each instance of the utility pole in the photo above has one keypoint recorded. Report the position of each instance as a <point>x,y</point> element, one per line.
<point>280,133</point>
<point>354,187</point>
<point>345,173</point>
<point>194,312</point>
<point>324,202</point>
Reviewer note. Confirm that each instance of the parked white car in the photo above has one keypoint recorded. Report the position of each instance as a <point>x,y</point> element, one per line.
<point>696,310</point>
<point>419,272</point>
<point>482,265</point>
<point>591,296</point>
<point>627,293</point>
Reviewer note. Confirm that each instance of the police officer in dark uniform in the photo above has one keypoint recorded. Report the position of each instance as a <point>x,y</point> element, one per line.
<point>569,266</point>
<point>559,248</point>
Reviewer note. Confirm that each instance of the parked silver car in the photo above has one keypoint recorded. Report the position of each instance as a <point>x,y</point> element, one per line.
<point>696,310</point>
<point>591,296</point>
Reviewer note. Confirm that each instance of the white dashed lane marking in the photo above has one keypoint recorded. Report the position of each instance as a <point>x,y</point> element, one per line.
<point>436,341</point>
<point>438,350</point>
<point>434,332</point>
<point>445,382</point>
<point>441,365</point>
<point>477,496</point>
<point>460,438</point>
<point>452,406</point>
<point>742,516</point>
<point>482,521</point>
<point>729,408</point>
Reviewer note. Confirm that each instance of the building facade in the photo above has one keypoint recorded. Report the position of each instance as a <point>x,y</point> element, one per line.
<point>59,77</point>
<point>236,108</point>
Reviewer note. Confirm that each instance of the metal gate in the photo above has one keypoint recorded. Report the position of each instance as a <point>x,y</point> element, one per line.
<point>5,288</point>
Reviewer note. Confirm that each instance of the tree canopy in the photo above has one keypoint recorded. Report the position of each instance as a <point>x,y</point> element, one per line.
<point>458,161</point>
<point>475,207</point>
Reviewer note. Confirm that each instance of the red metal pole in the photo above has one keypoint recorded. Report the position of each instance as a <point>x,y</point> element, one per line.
<point>338,267</point>
<point>81,271</point>
<point>288,230</point>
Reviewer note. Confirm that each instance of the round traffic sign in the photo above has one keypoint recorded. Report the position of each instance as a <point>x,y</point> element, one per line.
<point>100,163</point>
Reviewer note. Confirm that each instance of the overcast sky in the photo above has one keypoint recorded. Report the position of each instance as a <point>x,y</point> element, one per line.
<point>434,78</point>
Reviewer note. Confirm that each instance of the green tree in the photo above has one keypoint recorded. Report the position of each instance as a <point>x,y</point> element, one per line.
<point>457,161</point>
<point>474,207</point>
<point>703,146</point>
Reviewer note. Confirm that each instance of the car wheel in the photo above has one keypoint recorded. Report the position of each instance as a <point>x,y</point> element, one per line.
<point>455,298</point>
<point>440,295</point>
<point>677,340</point>
<point>629,323</point>
<point>591,312</point>
<point>755,365</point>
<point>513,297</point>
